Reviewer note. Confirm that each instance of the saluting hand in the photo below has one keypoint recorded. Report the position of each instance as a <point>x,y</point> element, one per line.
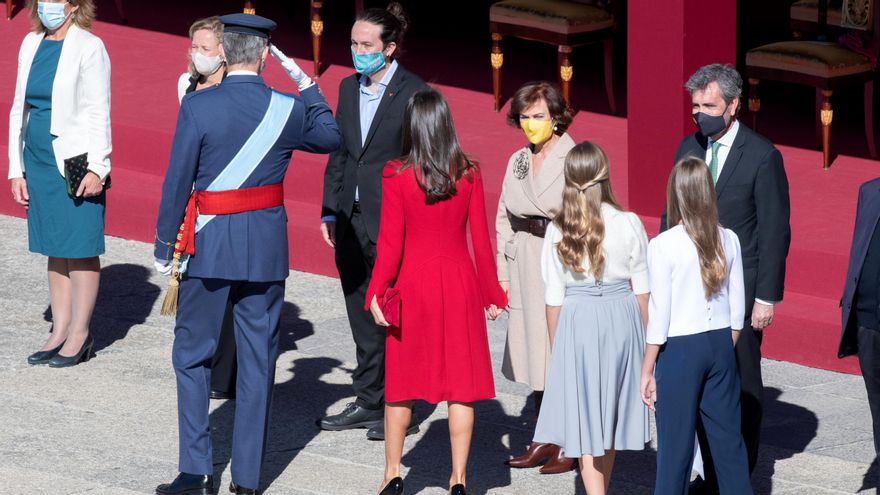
<point>90,186</point>
<point>299,77</point>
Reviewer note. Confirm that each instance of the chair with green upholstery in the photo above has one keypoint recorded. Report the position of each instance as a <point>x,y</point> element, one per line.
<point>564,23</point>
<point>827,66</point>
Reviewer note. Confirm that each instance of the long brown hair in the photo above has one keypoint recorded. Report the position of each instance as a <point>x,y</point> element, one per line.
<point>691,201</point>
<point>431,146</point>
<point>587,186</point>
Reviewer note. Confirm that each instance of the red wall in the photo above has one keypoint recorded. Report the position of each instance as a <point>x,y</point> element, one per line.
<point>667,41</point>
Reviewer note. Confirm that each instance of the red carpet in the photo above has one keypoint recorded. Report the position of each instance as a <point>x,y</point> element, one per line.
<point>146,65</point>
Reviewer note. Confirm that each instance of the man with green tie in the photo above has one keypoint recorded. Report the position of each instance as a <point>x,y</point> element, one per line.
<point>753,201</point>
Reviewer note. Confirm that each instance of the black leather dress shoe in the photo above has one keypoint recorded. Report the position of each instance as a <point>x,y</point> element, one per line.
<point>378,432</point>
<point>188,484</point>
<point>457,490</point>
<point>240,490</point>
<point>353,416</point>
<point>221,395</point>
<point>702,487</point>
<point>394,487</point>
<point>43,357</point>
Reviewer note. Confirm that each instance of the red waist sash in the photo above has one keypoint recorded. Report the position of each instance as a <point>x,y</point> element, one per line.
<point>224,203</point>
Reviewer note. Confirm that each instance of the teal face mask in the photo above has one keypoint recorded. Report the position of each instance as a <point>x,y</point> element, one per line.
<point>367,63</point>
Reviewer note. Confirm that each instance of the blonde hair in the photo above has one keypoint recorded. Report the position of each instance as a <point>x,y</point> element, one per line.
<point>691,201</point>
<point>210,23</point>
<point>587,186</point>
<point>82,17</point>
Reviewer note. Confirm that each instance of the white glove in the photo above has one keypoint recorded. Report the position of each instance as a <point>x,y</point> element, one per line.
<point>163,267</point>
<point>299,77</point>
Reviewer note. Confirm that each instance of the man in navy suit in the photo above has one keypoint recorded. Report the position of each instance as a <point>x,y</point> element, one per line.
<point>860,305</point>
<point>229,156</point>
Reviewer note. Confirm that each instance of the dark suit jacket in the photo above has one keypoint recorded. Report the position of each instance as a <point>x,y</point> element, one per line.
<point>212,126</point>
<point>753,202</point>
<point>867,215</point>
<point>355,166</point>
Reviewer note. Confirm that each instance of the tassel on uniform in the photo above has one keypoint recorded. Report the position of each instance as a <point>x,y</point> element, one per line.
<point>169,305</point>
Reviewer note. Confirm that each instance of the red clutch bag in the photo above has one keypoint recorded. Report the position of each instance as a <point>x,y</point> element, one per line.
<point>391,306</point>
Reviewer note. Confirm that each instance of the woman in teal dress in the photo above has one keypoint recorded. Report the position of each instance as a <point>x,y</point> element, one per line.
<point>62,110</point>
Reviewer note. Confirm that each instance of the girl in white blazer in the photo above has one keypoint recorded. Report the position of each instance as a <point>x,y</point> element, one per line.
<point>695,315</point>
<point>61,110</point>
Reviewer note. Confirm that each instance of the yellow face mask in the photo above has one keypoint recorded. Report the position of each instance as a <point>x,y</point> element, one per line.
<point>537,131</point>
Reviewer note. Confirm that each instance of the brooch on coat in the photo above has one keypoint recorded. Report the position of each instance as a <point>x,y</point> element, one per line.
<point>521,165</point>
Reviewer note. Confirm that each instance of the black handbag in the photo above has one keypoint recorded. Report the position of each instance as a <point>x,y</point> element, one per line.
<point>75,170</point>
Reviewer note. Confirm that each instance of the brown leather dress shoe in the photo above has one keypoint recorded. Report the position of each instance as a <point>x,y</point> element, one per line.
<point>537,454</point>
<point>558,464</point>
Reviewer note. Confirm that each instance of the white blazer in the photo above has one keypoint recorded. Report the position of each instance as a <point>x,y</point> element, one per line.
<point>80,103</point>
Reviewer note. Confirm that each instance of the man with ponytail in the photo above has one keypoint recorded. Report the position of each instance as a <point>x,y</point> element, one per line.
<point>596,294</point>
<point>753,201</point>
<point>697,314</point>
<point>370,115</point>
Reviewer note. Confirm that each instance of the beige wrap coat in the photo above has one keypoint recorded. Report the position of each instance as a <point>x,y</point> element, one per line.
<point>527,352</point>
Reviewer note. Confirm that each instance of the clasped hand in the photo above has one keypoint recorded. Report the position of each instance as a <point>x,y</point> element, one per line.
<point>90,186</point>
<point>493,311</point>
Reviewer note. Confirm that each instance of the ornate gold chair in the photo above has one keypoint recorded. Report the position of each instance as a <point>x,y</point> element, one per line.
<point>826,66</point>
<point>565,23</point>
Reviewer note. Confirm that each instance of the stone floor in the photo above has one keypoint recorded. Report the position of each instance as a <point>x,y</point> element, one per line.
<point>109,427</point>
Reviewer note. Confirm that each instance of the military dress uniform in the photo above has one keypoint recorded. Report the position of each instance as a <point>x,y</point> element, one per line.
<point>230,153</point>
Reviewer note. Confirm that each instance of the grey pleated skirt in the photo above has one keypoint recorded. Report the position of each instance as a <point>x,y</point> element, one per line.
<point>591,400</point>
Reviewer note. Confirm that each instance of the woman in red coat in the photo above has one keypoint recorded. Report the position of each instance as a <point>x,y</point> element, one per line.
<point>436,345</point>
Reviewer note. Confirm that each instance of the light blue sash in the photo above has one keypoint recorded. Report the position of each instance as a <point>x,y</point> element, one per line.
<point>250,155</point>
<point>253,151</point>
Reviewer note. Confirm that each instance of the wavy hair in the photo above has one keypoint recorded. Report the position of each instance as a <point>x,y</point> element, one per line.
<point>431,147</point>
<point>535,91</point>
<point>212,24</point>
<point>691,201</point>
<point>587,186</point>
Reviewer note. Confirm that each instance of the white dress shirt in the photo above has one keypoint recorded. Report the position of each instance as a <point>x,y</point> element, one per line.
<point>725,144</point>
<point>625,249</point>
<point>678,304</point>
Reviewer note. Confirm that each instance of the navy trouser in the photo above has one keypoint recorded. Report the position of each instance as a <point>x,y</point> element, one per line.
<point>256,310</point>
<point>697,375</point>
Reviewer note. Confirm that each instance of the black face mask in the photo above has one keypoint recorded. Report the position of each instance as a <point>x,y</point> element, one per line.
<point>710,125</point>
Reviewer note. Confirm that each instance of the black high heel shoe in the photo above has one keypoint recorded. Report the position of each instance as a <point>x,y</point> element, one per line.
<point>394,487</point>
<point>457,490</point>
<point>43,357</point>
<point>84,354</point>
